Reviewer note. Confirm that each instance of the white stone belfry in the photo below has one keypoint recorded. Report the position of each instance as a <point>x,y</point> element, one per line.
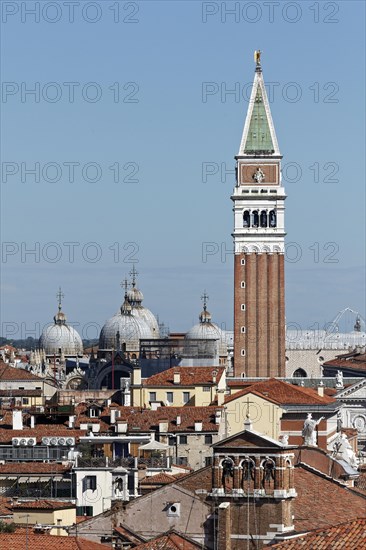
<point>259,191</point>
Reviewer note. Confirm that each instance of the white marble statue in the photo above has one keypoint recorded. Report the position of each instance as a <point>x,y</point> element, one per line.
<point>339,379</point>
<point>342,450</point>
<point>308,431</point>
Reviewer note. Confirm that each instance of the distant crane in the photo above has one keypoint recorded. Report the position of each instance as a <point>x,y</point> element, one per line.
<point>333,326</point>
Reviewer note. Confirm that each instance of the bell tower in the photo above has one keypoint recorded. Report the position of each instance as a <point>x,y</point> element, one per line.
<point>259,233</point>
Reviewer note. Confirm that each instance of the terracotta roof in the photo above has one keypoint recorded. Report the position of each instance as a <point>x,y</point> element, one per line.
<point>127,535</point>
<point>332,499</point>
<point>172,540</point>
<point>350,535</point>
<point>146,419</point>
<point>6,508</point>
<point>161,479</point>
<point>33,468</point>
<point>284,393</point>
<point>43,505</point>
<point>17,541</point>
<point>12,373</point>
<point>189,376</point>
<point>355,361</point>
<point>238,383</point>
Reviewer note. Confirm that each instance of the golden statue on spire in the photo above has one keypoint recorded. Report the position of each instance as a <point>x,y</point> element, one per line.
<point>257,57</point>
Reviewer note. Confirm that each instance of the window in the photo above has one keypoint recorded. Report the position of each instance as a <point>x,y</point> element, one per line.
<point>25,401</point>
<point>243,307</point>
<point>208,461</point>
<point>169,397</point>
<point>84,511</point>
<point>206,388</point>
<point>182,461</point>
<point>246,219</point>
<point>243,352</point>
<point>183,440</point>
<point>242,262</point>
<point>272,219</point>
<point>171,440</point>
<point>93,413</point>
<point>299,373</point>
<point>243,330</point>
<point>90,483</point>
<point>255,219</point>
<point>208,439</point>
<point>263,218</point>
<point>152,396</point>
<point>242,284</point>
<point>21,388</point>
<point>186,397</point>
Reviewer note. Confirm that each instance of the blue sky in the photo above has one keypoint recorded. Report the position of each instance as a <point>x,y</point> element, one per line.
<point>174,64</point>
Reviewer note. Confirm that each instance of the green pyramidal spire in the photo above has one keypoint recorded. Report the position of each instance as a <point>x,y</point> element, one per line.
<point>259,134</point>
<point>259,137</point>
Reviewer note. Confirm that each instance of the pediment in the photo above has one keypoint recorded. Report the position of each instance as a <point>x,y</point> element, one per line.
<point>356,391</point>
<point>248,439</point>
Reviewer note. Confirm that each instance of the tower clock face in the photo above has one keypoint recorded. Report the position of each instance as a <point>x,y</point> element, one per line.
<point>258,174</point>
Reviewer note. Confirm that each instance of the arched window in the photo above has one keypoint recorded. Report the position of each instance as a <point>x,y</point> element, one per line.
<point>255,219</point>
<point>268,472</point>
<point>227,465</point>
<point>246,219</point>
<point>247,474</point>
<point>263,218</point>
<point>272,218</point>
<point>300,373</point>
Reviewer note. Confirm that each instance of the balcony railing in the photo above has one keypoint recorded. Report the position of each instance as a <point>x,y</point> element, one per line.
<point>124,462</point>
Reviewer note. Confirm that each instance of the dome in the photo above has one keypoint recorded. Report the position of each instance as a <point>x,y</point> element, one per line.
<point>61,336</point>
<point>135,296</point>
<point>130,328</point>
<point>205,331</point>
<point>149,318</point>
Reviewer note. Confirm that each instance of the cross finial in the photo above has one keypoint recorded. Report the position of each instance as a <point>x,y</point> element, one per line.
<point>124,284</point>
<point>205,298</point>
<point>134,274</point>
<point>59,297</point>
<point>257,57</point>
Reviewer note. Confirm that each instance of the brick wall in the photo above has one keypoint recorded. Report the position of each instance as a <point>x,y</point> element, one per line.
<point>263,317</point>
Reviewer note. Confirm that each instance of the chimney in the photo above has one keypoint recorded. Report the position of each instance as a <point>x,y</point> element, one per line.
<point>214,376</point>
<point>122,426</point>
<point>71,421</point>
<point>136,376</point>
<point>163,425</point>
<point>113,415</point>
<point>198,425</point>
<point>179,420</point>
<point>176,377</point>
<point>17,420</point>
<point>32,422</point>
<point>218,416</point>
<point>321,389</point>
<point>224,527</point>
<point>220,397</point>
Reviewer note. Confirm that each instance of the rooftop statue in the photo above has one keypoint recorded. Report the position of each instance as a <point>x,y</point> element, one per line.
<point>308,431</point>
